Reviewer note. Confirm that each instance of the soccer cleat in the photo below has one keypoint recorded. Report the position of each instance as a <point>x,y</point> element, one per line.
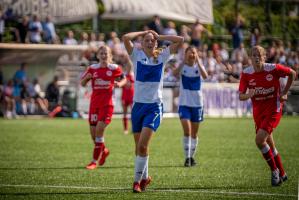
<point>193,162</point>
<point>105,154</point>
<point>284,177</point>
<point>275,178</point>
<point>187,162</point>
<point>144,183</point>
<point>91,165</point>
<point>136,187</point>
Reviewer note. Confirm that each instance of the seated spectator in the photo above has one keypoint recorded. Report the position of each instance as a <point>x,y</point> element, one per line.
<point>9,101</point>
<point>52,95</point>
<point>38,96</point>
<point>49,31</point>
<point>35,30</point>
<point>69,39</point>
<point>239,53</point>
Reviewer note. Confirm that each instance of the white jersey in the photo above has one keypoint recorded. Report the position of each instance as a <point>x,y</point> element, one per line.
<point>148,72</point>
<point>190,87</point>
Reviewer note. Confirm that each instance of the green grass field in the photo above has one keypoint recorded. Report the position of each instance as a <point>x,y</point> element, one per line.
<point>45,159</point>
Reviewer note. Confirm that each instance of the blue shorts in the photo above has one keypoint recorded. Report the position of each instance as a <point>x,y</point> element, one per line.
<point>146,115</point>
<point>194,114</point>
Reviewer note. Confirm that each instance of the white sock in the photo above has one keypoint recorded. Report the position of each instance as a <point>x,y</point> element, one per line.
<point>187,146</point>
<point>140,164</point>
<point>194,143</point>
<point>100,139</point>
<point>145,172</point>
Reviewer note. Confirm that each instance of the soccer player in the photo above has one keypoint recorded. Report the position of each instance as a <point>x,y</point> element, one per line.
<point>260,83</point>
<point>127,91</point>
<point>149,63</point>
<point>104,76</point>
<point>190,110</point>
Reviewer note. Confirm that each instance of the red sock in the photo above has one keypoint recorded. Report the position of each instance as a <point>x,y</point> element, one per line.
<point>98,147</point>
<point>125,122</point>
<point>279,164</point>
<point>268,156</point>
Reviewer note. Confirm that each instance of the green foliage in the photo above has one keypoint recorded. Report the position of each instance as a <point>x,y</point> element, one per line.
<point>45,159</point>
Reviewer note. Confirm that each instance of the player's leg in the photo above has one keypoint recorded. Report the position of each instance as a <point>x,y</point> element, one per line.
<point>125,119</point>
<point>194,141</point>
<point>103,152</point>
<point>141,165</point>
<point>261,142</point>
<point>277,158</point>
<point>93,118</point>
<point>196,118</point>
<point>185,116</point>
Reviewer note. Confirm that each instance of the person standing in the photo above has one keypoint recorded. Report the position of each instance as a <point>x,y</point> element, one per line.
<point>260,83</point>
<point>104,76</point>
<point>190,110</point>
<point>149,64</point>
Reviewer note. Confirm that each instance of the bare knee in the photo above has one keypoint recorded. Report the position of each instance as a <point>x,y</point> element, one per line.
<point>142,149</point>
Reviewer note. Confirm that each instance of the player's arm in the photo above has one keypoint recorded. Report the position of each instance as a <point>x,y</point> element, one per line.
<point>120,81</point>
<point>291,78</point>
<point>243,87</point>
<point>246,96</point>
<point>177,41</point>
<point>85,78</point>
<point>202,69</point>
<point>127,39</point>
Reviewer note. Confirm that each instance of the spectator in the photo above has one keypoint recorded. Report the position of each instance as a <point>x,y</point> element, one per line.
<point>9,101</point>
<point>2,25</point>
<point>111,40</point>
<point>35,30</point>
<point>38,96</point>
<point>255,37</point>
<point>84,39</point>
<point>21,31</point>
<point>156,25</point>
<point>49,31</point>
<point>185,33</point>
<point>70,40</point>
<point>52,93</point>
<point>224,52</point>
<point>20,76</point>
<point>240,51</point>
<point>237,32</point>
<point>196,33</point>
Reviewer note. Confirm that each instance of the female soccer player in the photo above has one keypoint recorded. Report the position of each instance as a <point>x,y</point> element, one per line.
<point>127,91</point>
<point>190,101</point>
<point>104,77</point>
<point>262,82</point>
<point>149,63</point>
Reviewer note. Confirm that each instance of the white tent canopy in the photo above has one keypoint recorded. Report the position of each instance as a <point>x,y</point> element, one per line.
<point>180,10</point>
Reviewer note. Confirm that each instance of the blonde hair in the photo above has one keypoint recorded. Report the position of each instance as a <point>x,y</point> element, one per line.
<point>109,51</point>
<point>260,49</point>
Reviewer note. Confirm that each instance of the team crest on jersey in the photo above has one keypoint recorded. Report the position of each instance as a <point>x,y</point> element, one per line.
<point>95,74</point>
<point>269,77</point>
<point>109,73</point>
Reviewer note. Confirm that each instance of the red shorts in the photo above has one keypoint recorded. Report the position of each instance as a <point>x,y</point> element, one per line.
<point>127,101</point>
<point>267,122</point>
<point>100,114</point>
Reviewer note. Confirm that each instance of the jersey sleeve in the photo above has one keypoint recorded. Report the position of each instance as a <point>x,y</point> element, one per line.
<point>282,71</point>
<point>165,54</point>
<point>134,54</point>
<point>87,71</point>
<point>117,72</point>
<point>243,84</point>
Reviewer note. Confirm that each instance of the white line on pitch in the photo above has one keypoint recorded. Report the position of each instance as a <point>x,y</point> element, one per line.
<point>153,190</point>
